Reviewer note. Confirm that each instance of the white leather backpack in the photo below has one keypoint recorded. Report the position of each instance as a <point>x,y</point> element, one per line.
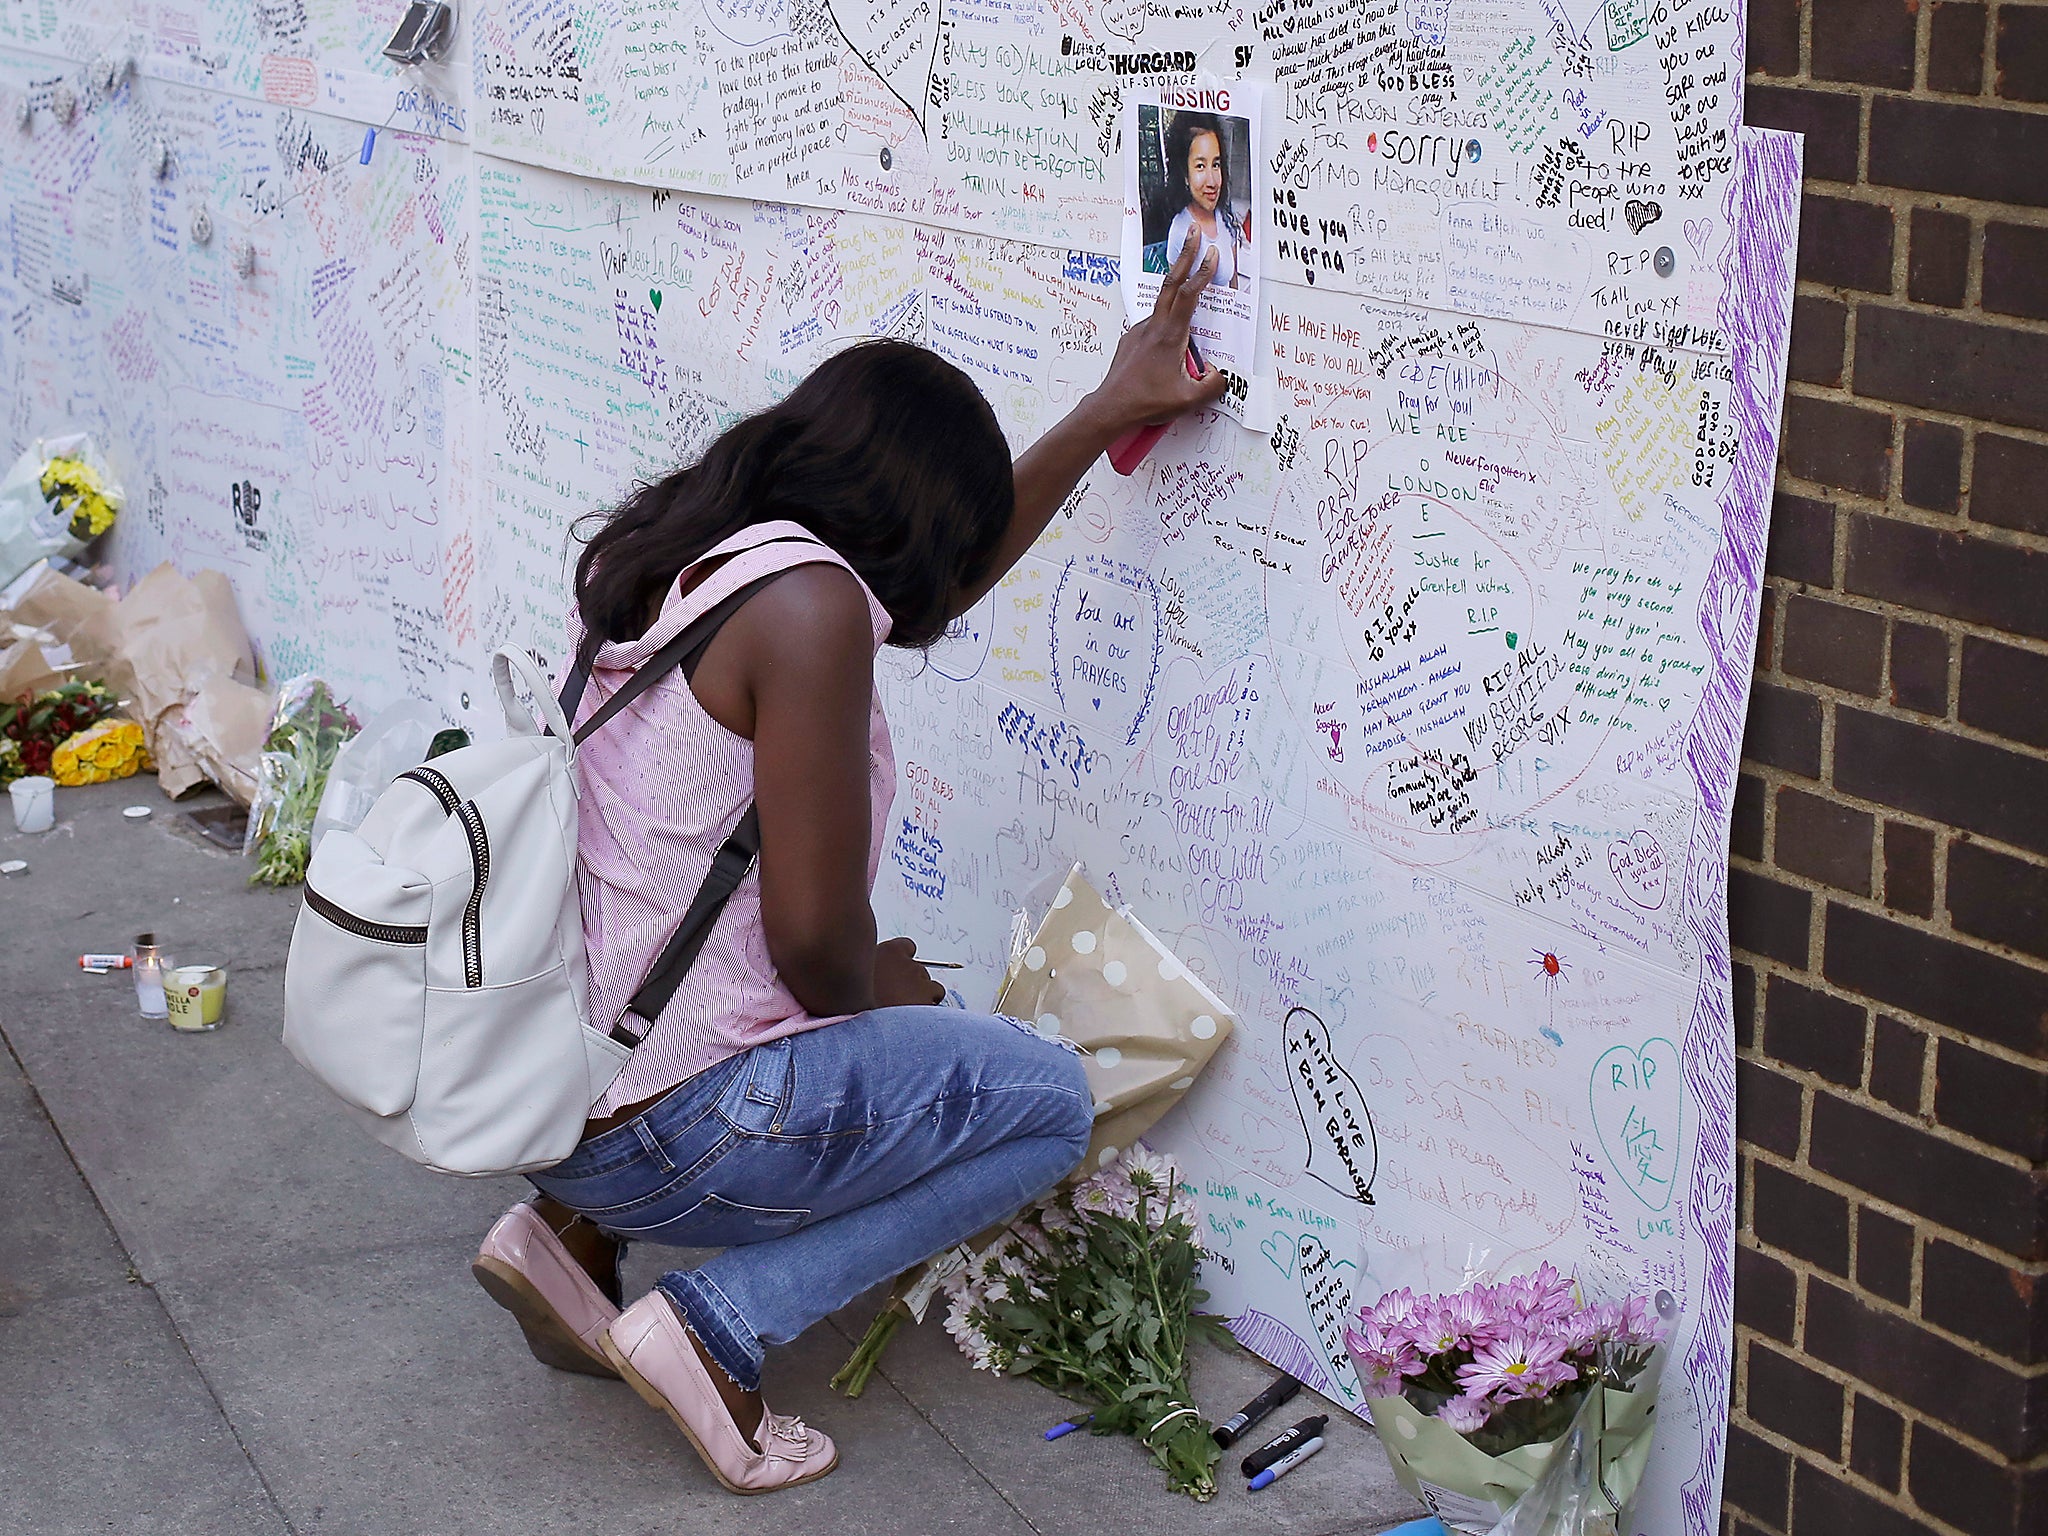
<point>436,978</point>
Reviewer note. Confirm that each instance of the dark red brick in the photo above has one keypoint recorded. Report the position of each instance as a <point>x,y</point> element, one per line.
<point>2009,483</point>
<point>2020,52</point>
<point>1815,1032</point>
<point>1746,822</point>
<point>2016,265</point>
<point>1773,33</point>
<point>1912,1166</point>
<point>1952,983</point>
<point>1909,868</point>
<point>1997,897</point>
<point>1766,627</point>
<point>1919,668</point>
<point>1996,1101</point>
<point>1877,1443</point>
<point>1955,49</point>
<point>1802,1219</point>
<point>1845,243</point>
<point>1795,1401</point>
<point>1783,729</point>
<point>1932,476</point>
<point>1943,1380</point>
<point>1831,121</point>
<point>1758,1478</point>
<point>1998,585</point>
<point>1742,990</point>
<point>2004,691</point>
<point>1767,918</point>
<point>1766,1294</point>
<point>1964,151</point>
<point>1869,42</point>
<point>1834,1508</point>
<point>1941,363</point>
<point>1834,443</point>
<point>1949,779</point>
<point>1884,1255</point>
<point>1820,328</point>
<point>1824,841</point>
<point>1938,258</point>
<point>1802,546</point>
<point>2001,1306</point>
<point>1898,1061</point>
<point>1958,1486</point>
<point>1830,643</point>
<point>1768,1108</point>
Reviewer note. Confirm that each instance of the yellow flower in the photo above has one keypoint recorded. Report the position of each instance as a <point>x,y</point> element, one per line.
<point>99,754</point>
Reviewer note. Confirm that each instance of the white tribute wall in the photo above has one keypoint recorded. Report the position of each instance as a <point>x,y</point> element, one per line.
<point>1410,719</point>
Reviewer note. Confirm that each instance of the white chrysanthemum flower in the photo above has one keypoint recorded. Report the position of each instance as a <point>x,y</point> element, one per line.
<point>1149,1171</point>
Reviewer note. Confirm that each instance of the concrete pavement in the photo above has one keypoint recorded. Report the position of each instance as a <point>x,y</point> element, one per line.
<point>223,1309</point>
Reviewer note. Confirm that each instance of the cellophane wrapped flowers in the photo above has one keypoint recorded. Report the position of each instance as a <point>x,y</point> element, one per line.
<point>307,732</point>
<point>1506,1369</point>
<point>77,493</point>
<point>1092,1292</point>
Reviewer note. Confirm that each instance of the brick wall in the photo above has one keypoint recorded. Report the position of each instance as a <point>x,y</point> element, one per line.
<point>1889,895</point>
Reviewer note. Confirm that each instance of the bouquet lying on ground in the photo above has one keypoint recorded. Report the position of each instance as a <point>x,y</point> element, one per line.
<point>33,728</point>
<point>307,731</point>
<point>1475,1392</point>
<point>1092,1292</point>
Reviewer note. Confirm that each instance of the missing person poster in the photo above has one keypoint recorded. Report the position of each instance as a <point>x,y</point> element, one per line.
<point>1191,168</point>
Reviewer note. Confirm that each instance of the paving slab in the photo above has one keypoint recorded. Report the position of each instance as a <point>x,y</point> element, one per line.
<point>107,1425</point>
<point>389,1394</point>
<point>53,1240</point>
<point>998,1424</point>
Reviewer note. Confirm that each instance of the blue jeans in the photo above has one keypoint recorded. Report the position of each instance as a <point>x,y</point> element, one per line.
<point>829,1161</point>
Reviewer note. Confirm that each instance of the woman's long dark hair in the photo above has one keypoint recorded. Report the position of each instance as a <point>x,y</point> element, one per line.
<point>886,452</point>
<point>1181,134</point>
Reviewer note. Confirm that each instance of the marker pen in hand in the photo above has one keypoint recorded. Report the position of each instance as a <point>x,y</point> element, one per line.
<point>1285,1465</point>
<point>1128,451</point>
<point>1279,1392</point>
<point>1281,1445</point>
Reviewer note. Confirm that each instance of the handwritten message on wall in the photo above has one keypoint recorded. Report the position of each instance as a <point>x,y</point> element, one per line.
<point>1412,724</point>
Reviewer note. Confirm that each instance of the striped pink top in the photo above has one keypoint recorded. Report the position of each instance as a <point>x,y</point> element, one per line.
<point>663,785</point>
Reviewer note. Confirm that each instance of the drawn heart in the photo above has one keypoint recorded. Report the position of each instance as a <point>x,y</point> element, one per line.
<point>1279,1252</point>
<point>1641,215</point>
<point>1697,233</point>
<point>1343,1147</point>
<point>898,40</point>
<point>654,298</point>
<point>1512,638</point>
<point>1639,869</point>
<point>1096,702</point>
<point>1638,1099</point>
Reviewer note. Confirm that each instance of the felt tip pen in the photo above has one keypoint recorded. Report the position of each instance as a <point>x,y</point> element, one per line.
<point>943,965</point>
<point>1068,1426</point>
<point>1285,1465</point>
<point>1128,451</point>
<point>104,962</point>
<point>1226,1433</point>
<point>1280,1445</point>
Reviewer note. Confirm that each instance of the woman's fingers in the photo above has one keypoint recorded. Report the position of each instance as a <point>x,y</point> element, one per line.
<point>1176,278</point>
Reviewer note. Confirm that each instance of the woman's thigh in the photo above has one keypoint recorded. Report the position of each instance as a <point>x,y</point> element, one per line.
<point>827,1120</point>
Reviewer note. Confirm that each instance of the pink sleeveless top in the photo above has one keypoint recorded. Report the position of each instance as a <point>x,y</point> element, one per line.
<point>663,785</point>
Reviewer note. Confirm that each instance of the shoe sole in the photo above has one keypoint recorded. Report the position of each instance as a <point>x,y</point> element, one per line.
<point>550,1339</point>
<point>652,1395</point>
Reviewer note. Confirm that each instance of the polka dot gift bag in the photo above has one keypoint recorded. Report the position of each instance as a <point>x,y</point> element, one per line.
<point>1144,1023</point>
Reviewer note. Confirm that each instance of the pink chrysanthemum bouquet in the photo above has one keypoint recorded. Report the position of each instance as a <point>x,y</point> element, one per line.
<point>1475,1391</point>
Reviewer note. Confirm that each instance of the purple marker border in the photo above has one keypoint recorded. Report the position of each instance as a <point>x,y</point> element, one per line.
<point>1762,207</point>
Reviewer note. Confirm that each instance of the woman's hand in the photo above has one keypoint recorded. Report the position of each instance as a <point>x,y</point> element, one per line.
<point>900,982</point>
<point>1148,381</point>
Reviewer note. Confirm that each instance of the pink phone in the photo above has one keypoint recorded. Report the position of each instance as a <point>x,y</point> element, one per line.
<point>1128,451</point>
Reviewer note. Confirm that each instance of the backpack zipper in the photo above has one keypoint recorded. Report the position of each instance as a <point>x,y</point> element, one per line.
<point>472,915</point>
<point>362,927</point>
<point>436,781</point>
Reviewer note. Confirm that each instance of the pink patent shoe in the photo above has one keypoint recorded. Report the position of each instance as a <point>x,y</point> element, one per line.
<point>651,1348</point>
<point>527,1271</point>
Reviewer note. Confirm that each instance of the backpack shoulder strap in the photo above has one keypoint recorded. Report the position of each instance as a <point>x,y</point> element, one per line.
<point>729,866</point>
